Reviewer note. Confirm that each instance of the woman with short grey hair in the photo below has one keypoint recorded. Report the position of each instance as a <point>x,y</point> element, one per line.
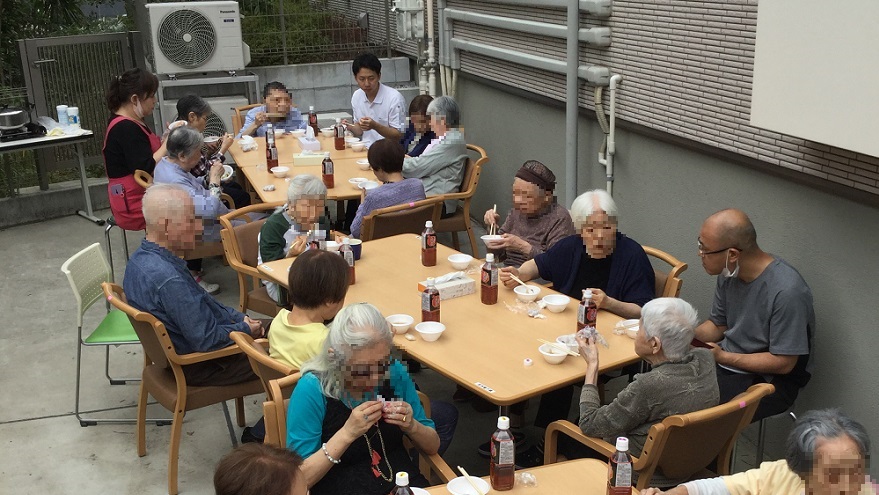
<point>681,380</point>
<point>351,408</point>
<point>827,454</point>
<point>286,232</point>
<point>184,152</point>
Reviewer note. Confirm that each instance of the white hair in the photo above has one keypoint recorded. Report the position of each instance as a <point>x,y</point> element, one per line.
<point>304,186</point>
<point>673,321</point>
<point>184,140</point>
<point>164,202</point>
<point>356,326</point>
<point>447,108</point>
<point>591,201</point>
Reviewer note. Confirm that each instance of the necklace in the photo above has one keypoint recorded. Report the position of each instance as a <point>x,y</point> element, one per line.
<point>376,458</point>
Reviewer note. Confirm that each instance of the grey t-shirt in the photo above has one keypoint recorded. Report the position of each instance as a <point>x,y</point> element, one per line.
<point>772,313</point>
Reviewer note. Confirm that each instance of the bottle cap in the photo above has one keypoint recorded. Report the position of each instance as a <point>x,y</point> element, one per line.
<point>428,224</point>
<point>430,282</point>
<point>326,154</point>
<point>338,120</point>
<point>503,423</point>
<point>622,444</point>
<point>269,125</point>
<point>587,294</point>
<point>489,258</point>
<point>402,478</point>
<point>346,240</point>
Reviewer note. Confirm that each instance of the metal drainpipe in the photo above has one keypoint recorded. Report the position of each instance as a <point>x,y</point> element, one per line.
<point>572,105</point>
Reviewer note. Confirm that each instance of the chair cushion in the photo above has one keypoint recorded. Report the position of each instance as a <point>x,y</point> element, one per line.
<point>115,328</point>
<point>160,383</point>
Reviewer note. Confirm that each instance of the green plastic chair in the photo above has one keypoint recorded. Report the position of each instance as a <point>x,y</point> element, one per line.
<point>85,271</point>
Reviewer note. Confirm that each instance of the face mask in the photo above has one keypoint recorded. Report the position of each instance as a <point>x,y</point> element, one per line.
<point>138,109</point>
<point>726,273</point>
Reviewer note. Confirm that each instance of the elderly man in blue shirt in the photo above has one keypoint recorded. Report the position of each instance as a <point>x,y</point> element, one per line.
<point>278,109</point>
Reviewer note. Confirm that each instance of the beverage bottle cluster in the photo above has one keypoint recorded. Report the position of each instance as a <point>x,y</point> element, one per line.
<point>271,150</point>
<point>587,312</point>
<point>619,470</point>
<point>502,469</point>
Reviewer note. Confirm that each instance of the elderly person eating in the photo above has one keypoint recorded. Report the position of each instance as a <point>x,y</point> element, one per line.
<point>536,221</point>
<point>681,379</point>
<point>353,406</point>
<point>441,165</point>
<point>827,454</point>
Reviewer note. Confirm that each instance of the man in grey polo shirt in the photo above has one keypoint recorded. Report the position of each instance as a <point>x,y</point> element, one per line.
<point>762,318</point>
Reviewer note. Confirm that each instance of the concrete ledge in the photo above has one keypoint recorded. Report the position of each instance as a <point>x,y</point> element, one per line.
<point>62,199</point>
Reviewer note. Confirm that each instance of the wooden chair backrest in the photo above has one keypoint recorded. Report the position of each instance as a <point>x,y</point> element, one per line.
<point>152,334</point>
<point>668,284</point>
<point>240,242</point>
<point>472,170</point>
<point>238,114</point>
<point>275,409</point>
<point>263,365</point>
<point>400,219</point>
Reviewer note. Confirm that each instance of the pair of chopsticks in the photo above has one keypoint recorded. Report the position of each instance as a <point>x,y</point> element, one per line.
<point>470,480</point>
<point>559,347</point>
<point>517,279</point>
<point>492,229</point>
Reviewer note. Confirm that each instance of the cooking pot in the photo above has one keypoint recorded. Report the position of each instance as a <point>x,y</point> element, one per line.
<point>12,118</point>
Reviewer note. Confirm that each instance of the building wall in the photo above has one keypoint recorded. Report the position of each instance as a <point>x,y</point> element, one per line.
<point>664,191</point>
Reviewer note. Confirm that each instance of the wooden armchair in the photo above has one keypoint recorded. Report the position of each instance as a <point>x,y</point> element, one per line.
<point>264,366</point>
<point>460,220</point>
<point>241,246</point>
<point>401,219</point>
<point>163,378</point>
<point>238,114</point>
<point>668,284</point>
<point>681,446</point>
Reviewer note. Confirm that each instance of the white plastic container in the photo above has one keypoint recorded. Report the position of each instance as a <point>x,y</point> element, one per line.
<point>73,117</point>
<point>63,118</point>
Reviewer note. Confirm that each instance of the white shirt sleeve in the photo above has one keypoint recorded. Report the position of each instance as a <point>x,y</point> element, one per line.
<point>711,486</point>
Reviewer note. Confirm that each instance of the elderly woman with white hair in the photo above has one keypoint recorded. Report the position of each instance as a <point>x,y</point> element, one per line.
<point>285,233</point>
<point>353,406</point>
<point>827,454</point>
<point>681,379</point>
<point>600,258</point>
<point>441,166</point>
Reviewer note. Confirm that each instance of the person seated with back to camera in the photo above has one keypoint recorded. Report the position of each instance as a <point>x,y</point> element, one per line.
<point>536,221</point>
<point>257,469</point>
<point>386,162</point>
<point>277,100</point>
<point>441,166</point>
<point>418,134</point>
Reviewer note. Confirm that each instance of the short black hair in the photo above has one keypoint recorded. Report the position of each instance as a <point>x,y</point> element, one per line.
<point>269,87</point>
<point>366,61</point>
<point>386,155</point>
<point>317,277</point>
<point>192,104</point>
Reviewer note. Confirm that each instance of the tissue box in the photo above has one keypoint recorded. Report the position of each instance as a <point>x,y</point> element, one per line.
<point>307,159</point>
<point>452,289</point>
<point>309,144</point>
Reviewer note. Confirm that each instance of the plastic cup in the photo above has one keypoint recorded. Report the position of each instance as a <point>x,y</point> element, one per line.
<point>356,247</point>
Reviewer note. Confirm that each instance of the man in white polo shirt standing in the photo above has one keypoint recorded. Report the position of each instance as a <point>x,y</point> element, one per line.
<point>379,110</point>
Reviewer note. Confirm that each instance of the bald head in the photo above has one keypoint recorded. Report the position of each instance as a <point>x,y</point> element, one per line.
<point>732,228</point>
<point>163,203</point>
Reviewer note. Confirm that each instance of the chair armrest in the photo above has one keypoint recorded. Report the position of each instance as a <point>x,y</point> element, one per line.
<point>438,466</point>
<point>200,357</point>
<point>550,452</point>
<point>263,342</point>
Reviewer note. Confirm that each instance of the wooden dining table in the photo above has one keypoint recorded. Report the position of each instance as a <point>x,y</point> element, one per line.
<point>575,477</point>
<point>484,347</point>
<point>252,166</point>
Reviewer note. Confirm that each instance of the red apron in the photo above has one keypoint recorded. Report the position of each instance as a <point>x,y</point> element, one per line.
<point>126,196</point>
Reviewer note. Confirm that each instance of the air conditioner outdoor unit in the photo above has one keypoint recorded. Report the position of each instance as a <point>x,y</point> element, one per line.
<point>197,37</point>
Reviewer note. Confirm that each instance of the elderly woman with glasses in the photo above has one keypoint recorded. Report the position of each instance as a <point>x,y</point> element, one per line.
<point>827,454</point>
<point>353,406</point>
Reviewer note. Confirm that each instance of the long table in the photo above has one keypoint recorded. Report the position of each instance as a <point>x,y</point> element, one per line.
<point>483,347</point>
<point>576,477</point>
<point>252,165</point>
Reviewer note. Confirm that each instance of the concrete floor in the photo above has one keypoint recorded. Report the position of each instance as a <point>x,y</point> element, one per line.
<point>44,450</point>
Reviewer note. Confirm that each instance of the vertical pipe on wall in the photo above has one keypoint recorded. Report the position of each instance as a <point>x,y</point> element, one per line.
<point>572,105</point>
<point>431,52</point>
<point>611,136</point>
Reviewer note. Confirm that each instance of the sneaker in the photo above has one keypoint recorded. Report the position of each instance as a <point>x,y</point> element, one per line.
<point>207,286</point>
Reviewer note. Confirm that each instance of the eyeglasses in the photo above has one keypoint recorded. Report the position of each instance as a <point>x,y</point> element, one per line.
<point>368,370</point>
<point>703,253</point>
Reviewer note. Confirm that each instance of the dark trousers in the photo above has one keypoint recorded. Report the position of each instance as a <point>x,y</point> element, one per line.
<point>732,384</point>
<point>227,370</point>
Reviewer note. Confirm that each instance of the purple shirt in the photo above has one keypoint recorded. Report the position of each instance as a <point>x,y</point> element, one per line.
<point>390,194</point>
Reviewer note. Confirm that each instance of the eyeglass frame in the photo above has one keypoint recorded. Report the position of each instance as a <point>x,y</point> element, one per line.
<point>703,253</point>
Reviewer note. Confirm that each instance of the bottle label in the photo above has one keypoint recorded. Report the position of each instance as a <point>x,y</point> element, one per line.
<point>591,315</point>
<point>489,276</point>
<point>428,241</point>
<point>272,153</point>
<point>503,452</point>
<point>328,167</point>
<point>581,314</point>
<point>349,257</point>
<point>620,474</point>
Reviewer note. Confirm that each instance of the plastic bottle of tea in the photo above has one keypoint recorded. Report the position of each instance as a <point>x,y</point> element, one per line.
<point>619,470</point>
<point>271,150</point>
<point>430,302</point>
<point>587,312</point>
<point>348,255</point>
<point>502,470</point>
<point>428,245</point>
<point>402,487</point>
<point>327,169</point>
<point>489,278</point>
<point>339,140</point>
<point>312,120</point>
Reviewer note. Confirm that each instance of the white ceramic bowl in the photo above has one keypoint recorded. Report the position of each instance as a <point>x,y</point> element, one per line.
<point>211,139</point>
<point>367,185</point>
<point>332,246</point>
<point>279,133</point>
<point>400,323</point>
<point>630,327</point>
<point>363,164</point>
<point>356,181</point>
<point>280,172</point>
<point>419,491</point>
<point>556,303</point>
<point>489,240</point>
<point>569,340</point>
<point>297,133</point>
<point>228,172</point>
<point>430,330</point>
<point>358,146</point>
<point>460,261</point>
<point>526,293</point>
<point>327,132</point>
<point>551,355</point>
<point>176,124</point>
<point>460,486</point>
<point>351,140</point>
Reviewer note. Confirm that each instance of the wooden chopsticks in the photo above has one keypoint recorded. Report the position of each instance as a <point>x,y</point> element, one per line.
<point>559,347</point>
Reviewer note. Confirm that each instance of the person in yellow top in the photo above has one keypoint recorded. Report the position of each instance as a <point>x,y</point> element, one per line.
<point>827,454</point>
<point>318,282</point>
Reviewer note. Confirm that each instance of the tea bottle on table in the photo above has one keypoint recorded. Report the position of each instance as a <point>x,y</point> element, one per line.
<point>587,312</point>
<point>489,280</point>
<point>402,487</point>
<point>428,245</point>
<point>339,140</point>
<point>430,302</point>
<point>327,169</point>
<point>502,470</point>
<point>312,120</point>
<point>619,470</point>
<point>271,149</point>
<point>348,255</point>
<point>313,237</point>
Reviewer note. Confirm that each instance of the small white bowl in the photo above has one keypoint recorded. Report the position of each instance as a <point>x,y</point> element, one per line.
<point>460,261</point>
<point>556,303</point>
<point>400,323</point>
<point>460,486</point>
<point>551,354</point>
<point>367,185</point>
<point>489,240</point>
<point>430,330</point>
<point>356,181</point>
<point>327,132</point>
<point>211,139</point>
<point>297,133</point>
<point>228,172</point>
<point>629,326</point>
<point>280,172</point>
<point>363,164</point>
<point>569,340</point>
<point>526,293</point>
<point>279,133</point>
<point>358,146</point>
<point>351,140</point>
<point>176,124</point>
<point>332,245</point>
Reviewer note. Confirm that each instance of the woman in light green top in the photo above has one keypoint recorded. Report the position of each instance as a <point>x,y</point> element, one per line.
<point>318,282</point>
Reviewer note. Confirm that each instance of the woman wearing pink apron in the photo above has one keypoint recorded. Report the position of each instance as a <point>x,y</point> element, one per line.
<point>129,145</point>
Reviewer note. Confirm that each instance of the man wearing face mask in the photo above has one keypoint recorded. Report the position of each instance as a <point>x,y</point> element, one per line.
<point>762,321</point>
